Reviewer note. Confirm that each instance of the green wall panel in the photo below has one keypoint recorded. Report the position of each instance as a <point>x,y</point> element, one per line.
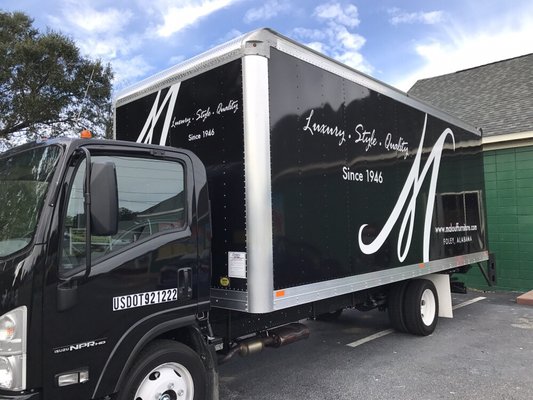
<point>509,202</point>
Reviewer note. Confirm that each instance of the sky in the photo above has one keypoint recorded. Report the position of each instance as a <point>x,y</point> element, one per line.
<point>397,42</point>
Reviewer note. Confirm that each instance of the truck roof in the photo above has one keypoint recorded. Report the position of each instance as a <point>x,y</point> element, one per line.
<point>94,143</point>
<point>258,42</point>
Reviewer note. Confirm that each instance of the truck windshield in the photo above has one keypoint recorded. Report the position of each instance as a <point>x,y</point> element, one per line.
<point>24,180</point>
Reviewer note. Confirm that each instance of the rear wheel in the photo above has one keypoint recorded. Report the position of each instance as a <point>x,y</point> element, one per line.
<point>166,370</point>
<point>421,307</point>
<point>395,305</point>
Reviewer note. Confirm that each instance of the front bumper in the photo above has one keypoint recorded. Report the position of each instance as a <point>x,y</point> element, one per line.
<point>20,396</point>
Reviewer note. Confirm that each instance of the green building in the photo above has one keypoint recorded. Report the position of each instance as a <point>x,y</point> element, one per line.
<point>498,97</point>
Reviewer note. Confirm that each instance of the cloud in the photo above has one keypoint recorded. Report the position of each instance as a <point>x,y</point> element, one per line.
<point>398,16</point>
<point>117,32</point>
<point>318,46</point>
<point>84,18</point>
<point>310,34</point>
<point>332,38</point>
<point>105,33</point>
<point>334,12</point>
<point>175,60</point>
<point>129,71</point>
<point>462,48</point>
<point>98,33</point>
<point>267,11</point>
<point>336,38</point>
<point>348,52</point>
<point>186,13</point>
<point>232,34</point>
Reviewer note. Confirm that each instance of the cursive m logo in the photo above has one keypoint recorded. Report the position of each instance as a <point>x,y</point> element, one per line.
<point>412,186</point>
<point>147,132</point>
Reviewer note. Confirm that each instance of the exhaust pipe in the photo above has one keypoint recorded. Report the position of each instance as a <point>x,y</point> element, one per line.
<point>275,338</point>
<point>288,334</point>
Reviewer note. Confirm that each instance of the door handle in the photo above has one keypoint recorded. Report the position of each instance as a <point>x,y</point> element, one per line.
<point>67,295</point>
<point>185,283</point>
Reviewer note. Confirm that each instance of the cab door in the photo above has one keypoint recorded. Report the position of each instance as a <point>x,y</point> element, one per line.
<point>143,277</point>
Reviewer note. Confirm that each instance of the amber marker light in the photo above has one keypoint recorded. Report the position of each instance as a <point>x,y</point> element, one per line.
<point>86,134</point>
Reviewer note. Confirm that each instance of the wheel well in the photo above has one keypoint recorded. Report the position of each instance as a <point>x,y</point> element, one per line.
<point>192,337</point>
<point>189,335</point>
<point>185,335</point>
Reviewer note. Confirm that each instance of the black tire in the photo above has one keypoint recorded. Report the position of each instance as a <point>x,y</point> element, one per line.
<point>330,316</point>
<point>421,307</point>
<point>395,306</point>
<point>177,367</point>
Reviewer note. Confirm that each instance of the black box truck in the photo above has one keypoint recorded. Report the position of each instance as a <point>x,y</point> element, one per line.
<point>249,188</point>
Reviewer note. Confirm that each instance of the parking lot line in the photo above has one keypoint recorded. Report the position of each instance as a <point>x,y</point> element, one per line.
<point>389,331</point>
<point>370,338</point>
<point>468,302</point>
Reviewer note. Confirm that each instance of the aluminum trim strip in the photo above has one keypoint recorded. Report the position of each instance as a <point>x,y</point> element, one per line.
<point>258,190</point>
<point>309,55</point>
<point>237,47</point>
<point>229,299</point>
<point>196,65</point>
<point>178,73</point>
<point>322,290</point>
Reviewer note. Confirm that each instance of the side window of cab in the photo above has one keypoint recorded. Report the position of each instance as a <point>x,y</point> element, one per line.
<point>151,200</point>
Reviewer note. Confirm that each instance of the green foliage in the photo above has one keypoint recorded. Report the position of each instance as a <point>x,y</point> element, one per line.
<point>46,87</point>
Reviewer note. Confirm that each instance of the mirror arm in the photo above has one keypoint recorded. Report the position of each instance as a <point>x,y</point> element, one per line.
<point>87,204</point>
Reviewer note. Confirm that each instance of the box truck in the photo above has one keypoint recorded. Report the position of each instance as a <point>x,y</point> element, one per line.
<point>248,189</point>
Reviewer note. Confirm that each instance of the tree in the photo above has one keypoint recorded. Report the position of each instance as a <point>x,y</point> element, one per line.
<point>46,87</point>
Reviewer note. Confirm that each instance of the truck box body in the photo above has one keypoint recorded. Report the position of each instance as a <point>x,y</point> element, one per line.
<point>322,180</point>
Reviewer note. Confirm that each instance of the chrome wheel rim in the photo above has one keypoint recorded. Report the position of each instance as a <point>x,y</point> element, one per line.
<point>169,381</point>
<point>428,307</point>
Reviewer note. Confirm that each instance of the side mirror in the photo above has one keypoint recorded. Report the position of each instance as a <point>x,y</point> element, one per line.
<point>104,199</point>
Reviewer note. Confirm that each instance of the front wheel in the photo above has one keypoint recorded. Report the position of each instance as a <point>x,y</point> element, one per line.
<point>166,370</point>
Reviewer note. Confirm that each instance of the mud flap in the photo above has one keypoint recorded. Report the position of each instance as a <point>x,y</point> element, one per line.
<point>444,293</point>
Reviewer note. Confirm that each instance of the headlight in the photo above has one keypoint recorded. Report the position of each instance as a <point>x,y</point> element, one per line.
<point>7,328</point>
<point>6,373</point>
<point>13,349</point>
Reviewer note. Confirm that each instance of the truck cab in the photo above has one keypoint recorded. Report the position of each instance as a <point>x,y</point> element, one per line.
<point>104,247</point>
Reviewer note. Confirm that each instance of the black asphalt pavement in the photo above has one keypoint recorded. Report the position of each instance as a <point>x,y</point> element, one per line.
<point>484,352</point>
